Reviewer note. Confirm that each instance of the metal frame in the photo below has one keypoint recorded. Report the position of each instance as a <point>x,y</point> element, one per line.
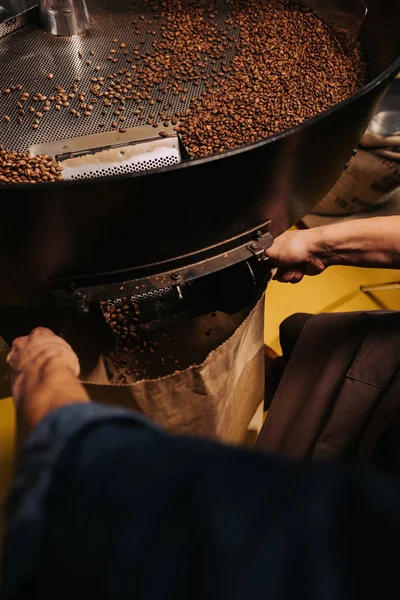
<point>16,22</point>
<point>83,292</point>
<point>369,290</point>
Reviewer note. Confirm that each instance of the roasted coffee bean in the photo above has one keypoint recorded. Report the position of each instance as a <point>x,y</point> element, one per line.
<point>21,166</point>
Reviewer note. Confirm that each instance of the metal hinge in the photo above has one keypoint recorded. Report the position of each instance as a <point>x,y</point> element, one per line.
<point>258,248</point>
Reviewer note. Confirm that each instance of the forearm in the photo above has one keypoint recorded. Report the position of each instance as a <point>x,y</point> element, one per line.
<point>371,242</point>
<point>46,388</point>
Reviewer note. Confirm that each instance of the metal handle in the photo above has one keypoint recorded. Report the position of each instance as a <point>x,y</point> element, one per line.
<point>64,17</point>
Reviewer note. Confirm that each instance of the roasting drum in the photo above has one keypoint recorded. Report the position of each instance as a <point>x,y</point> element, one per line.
<point>110,230</point>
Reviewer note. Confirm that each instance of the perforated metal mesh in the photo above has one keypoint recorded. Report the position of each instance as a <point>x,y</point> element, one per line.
<point>144,162</point>
<point>146,165</point>
<point>165,298</point>
<point>28,55</point>
<point>151,295</point>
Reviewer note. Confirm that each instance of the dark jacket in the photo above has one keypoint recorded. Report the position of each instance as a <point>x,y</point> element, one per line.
<point>339,395</point>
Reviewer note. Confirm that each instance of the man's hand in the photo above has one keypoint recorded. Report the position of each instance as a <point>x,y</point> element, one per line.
<point>371,242</point>
<point>45,372</point>
<point>39,350</point>
<point>296,254</point>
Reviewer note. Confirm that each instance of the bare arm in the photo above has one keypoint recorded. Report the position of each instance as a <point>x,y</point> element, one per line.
<point>45,377</point>
<point>371,242</point>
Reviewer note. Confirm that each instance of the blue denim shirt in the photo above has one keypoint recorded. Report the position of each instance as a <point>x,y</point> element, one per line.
<point>104,505</point>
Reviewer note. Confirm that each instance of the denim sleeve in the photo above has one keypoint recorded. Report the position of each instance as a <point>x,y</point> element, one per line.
<point>106,506</point>
<point>26,509</point>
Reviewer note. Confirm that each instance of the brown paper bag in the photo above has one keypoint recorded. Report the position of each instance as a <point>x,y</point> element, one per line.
<point>215,397</point>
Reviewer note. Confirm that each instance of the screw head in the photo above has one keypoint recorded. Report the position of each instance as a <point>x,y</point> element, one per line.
<point>175,276</point>
<point>254,246</point>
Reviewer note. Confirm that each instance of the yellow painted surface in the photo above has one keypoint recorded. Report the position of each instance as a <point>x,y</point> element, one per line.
<point>335,290</point>
<point>7,431</point>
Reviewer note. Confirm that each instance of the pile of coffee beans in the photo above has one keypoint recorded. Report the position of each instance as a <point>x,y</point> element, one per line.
<point>222,73</point>
<point>21,167</point>
<point>288,68</point>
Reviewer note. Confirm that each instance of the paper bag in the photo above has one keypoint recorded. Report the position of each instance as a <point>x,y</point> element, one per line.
<point>215,396</point>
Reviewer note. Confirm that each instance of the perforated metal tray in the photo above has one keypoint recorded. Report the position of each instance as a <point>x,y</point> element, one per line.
<point>28,55</point>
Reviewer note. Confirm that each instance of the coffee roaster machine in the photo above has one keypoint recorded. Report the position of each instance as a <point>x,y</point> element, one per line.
<point>187,237</point>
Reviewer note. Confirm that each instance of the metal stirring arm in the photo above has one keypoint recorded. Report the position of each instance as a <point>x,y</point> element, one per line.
<point>64,17</point>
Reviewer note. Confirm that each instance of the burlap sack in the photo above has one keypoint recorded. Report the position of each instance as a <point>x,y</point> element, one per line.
<point>369,180</point>
<point>215,397</point>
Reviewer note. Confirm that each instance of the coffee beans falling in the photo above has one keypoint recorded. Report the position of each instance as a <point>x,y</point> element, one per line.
<point>21,167</point>
<point>223,73</point>
<point>135,353</point>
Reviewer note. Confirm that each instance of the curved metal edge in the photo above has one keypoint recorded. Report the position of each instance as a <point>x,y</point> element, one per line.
<point>72,293</point>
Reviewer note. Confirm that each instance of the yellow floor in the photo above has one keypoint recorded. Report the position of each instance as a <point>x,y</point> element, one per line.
<point>338,289</point>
